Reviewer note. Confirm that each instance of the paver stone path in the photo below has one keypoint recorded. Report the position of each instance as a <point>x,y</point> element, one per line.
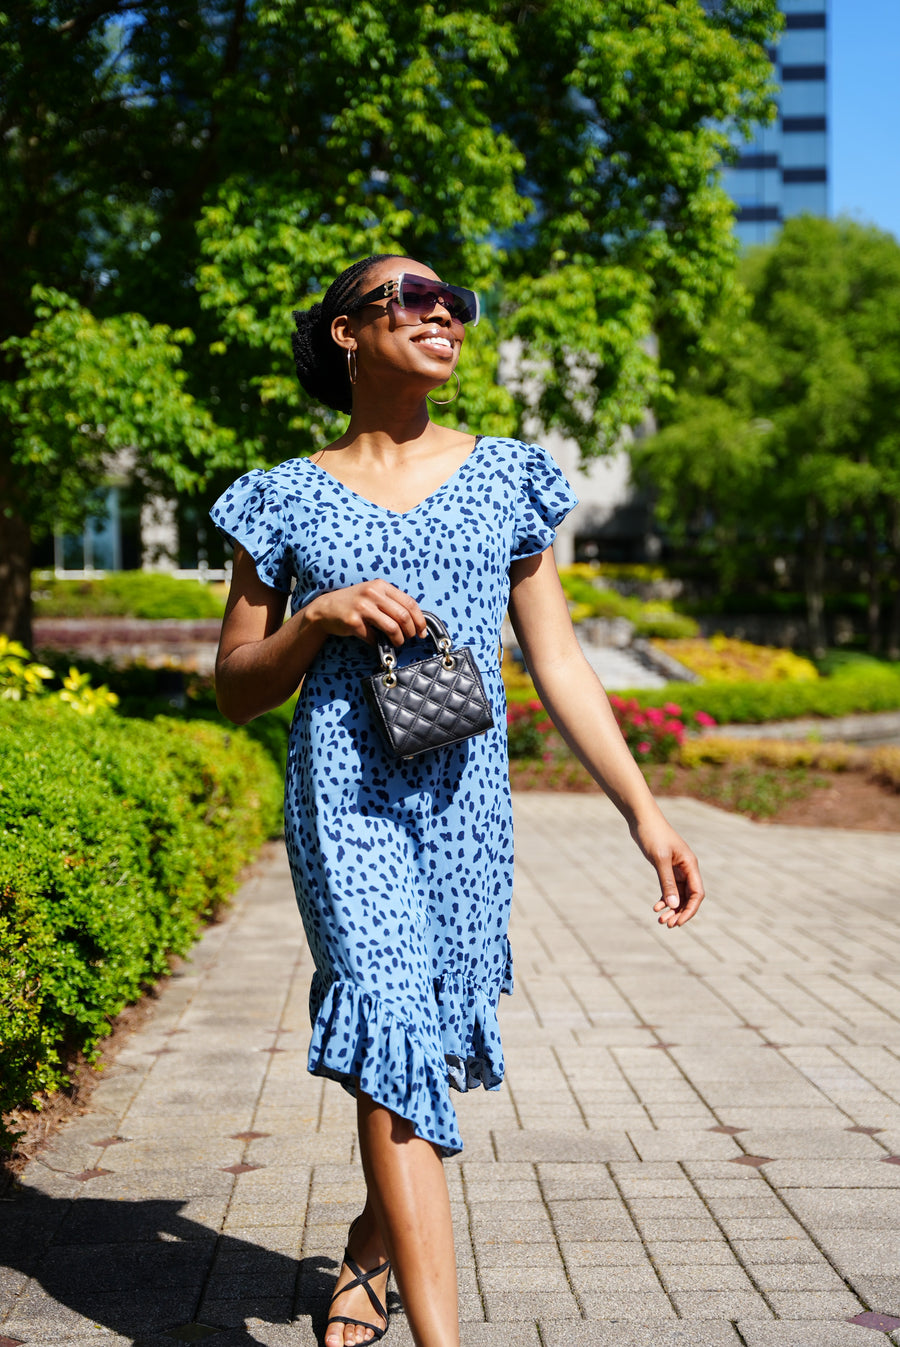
<point>698,1143</point>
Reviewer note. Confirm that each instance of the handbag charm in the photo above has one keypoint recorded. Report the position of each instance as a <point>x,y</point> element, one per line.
<point>431,702</point>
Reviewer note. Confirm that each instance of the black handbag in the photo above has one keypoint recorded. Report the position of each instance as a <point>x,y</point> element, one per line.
<point>431,702</point>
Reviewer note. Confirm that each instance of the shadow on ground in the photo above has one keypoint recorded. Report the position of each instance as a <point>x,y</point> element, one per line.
<point>141,1269</point>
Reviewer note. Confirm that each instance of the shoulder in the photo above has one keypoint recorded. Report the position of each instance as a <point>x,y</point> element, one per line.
<point>273,484</point>
<point>287,476</point>
<point>520,461</point>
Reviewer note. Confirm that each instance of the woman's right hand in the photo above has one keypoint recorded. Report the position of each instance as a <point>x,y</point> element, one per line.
<point>370,610</point>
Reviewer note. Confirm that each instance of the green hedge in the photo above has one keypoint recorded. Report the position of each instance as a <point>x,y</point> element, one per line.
<point>141,594</point>
<point>856,689</point>
<point>874,688</point>
<point>116,837</point>
<point>141,694</point>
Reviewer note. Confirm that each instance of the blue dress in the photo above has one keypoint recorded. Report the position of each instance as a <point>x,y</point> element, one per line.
<point>402,869</point>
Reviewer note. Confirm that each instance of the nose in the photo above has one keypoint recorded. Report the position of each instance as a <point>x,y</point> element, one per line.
<point>439,313</point>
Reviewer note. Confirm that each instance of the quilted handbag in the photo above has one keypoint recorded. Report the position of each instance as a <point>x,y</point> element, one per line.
<point>430,702</point>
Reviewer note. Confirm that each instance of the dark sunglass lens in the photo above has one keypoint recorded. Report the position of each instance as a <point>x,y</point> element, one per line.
<point>420,297</point>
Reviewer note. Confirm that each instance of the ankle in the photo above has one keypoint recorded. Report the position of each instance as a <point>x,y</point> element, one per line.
<point>364,1241</point>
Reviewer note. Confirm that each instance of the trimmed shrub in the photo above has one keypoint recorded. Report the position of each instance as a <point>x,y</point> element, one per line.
<point>656,622</point>
<point>860,690</point>
<point>139,594</point>
<point>723,659</point>
<point>781,753</point>
<point>116,838</point>
<point>139,691</point>
<point>589,596</point>
<point>884,766</point>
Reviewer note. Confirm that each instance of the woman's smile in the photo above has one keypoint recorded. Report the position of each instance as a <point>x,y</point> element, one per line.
<point>436,341</point>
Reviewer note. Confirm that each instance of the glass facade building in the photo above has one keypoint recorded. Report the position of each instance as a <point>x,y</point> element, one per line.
<point>783,171</point>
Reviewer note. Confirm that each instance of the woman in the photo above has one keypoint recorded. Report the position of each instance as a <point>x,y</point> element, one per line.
<point>403,868</point>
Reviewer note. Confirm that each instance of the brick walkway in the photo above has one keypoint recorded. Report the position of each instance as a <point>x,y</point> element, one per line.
<point>698,1144</point>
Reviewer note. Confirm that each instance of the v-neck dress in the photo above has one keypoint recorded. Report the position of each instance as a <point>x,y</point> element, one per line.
<point>402,868</point>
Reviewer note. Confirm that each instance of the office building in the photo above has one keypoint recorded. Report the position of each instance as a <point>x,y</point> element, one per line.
<point>783,171</point>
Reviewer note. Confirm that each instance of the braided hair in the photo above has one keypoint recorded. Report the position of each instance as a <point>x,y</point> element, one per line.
<point>320,363</point>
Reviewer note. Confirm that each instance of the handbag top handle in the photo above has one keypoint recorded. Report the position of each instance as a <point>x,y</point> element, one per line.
<point>440,638</point>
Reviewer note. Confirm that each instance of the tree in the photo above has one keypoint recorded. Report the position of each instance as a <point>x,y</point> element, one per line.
<point>785,436</point>
<point>207,164</point>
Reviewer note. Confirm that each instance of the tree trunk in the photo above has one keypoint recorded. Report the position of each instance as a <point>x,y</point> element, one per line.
<point>873,596</point>
<point>893,532</point>
<point>15,578</point>
<point>814,577</point>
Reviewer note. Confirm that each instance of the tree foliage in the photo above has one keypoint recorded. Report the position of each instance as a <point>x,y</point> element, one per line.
<point>784,437</point>
<point>91,386</point>
<point>210,164</point>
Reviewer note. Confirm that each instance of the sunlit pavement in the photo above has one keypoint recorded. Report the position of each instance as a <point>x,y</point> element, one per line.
<point>698,1142</point>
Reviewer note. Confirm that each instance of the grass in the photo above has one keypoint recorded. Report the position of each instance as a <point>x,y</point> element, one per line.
<point>746,788</point>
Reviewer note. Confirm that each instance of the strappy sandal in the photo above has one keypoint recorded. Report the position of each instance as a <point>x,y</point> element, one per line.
<point>362,1279</point>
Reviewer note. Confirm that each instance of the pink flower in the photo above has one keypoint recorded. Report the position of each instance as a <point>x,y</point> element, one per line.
<point>655,715</point>
<point>702,718</point>
<point>643,747</point>
<point>671,709</point>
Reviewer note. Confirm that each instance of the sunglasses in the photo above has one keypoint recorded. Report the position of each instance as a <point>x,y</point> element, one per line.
<point>417,296</point>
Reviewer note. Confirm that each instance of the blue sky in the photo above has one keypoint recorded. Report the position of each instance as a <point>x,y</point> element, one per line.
<point>865,110</point>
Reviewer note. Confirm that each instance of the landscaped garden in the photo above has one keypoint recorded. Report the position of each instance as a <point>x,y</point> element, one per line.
<point>812,780</point>
<point>128,813</point>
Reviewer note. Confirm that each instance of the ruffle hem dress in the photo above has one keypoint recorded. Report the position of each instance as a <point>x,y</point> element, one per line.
<point>402,868</point>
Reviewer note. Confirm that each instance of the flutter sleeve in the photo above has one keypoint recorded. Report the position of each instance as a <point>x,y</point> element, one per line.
<point>249,513</point>
<point>544,500</point>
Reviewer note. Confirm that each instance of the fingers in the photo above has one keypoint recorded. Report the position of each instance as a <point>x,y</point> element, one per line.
<point>390,611</point>
<point>680,884</point>
<point>370,611</point>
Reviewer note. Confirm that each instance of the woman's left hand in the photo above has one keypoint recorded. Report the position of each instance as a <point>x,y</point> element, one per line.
<point>676,865</point>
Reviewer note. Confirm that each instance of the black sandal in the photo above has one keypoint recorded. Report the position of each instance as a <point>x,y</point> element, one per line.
<point>362,1279</point>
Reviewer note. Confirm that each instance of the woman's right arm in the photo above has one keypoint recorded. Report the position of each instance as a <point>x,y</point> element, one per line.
<point>262,659</point>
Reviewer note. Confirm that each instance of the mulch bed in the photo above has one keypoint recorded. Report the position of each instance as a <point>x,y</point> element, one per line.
<point>823,799</point>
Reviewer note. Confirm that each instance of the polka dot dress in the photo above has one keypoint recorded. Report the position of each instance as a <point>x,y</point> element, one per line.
<point>402,869</point>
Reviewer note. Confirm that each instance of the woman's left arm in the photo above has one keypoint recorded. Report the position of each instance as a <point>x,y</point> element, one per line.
<point>580,709</point>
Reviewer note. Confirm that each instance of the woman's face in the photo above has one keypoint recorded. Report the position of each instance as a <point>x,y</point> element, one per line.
<point>428,344</point>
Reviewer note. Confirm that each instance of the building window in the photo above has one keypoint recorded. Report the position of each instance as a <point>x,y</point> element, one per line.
<point>748,161</point>
<point>791,124</point>
<point>804,98</point>
<point>791,74</point>
<point>805,21</point>
<point>805,175</point>
<point>805,150</point>
<point>99,545</point>
<point>758,214</point>
<point>805,198</point>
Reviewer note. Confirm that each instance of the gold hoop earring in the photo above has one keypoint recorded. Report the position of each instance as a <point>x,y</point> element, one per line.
<point>443,402</point>
<point>352,365</point>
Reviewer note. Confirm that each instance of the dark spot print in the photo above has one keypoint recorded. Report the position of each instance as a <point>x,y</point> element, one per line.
<point>418,852</point>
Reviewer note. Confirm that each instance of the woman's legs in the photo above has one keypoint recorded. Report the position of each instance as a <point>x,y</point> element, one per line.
<point>406,1217</point>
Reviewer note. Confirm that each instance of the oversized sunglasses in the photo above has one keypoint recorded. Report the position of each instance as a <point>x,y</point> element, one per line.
<point>417,296</point>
